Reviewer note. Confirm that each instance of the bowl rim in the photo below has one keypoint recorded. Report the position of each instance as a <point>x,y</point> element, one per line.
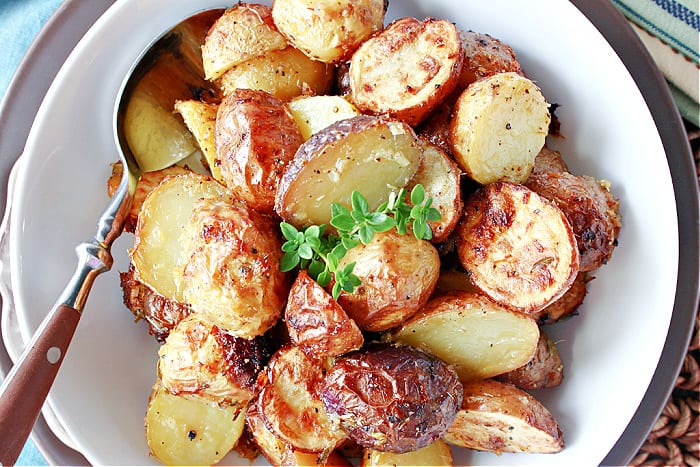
<point>72,19</point>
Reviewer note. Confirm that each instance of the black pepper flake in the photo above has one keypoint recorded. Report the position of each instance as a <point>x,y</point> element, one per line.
<point>192,435</point>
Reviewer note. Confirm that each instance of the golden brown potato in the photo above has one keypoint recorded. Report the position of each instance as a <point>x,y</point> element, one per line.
<point>485,56</point>
<point>452,280</point>
<point>244,31</point>
<point>398,274</point>
<point>440,176</point>
<point>285,74</point>
<point>314,113</point>
<point>289,406</point>
<point>436,126</point>
<point>157,251</point>
<point>161,313</point>
<point>438,453</point>
<point>477,337</point>
<point>566,305</point>
<point>518,248</point>
<point>407,69</point>
<point>202,360</point>
<point>549,160</point>
<point>389,398</point>
<point>544,370</point>
<point>499,417</point>
<point>590,208</point>
<point>231,274</point>
<point>316,323</point>
<point>328,30</point>
<point>147,182</point>
<point>181,430</point>
<point>256,137</point>
<point>499,126</point>
<point>341,159</point>
<point>200,119</point>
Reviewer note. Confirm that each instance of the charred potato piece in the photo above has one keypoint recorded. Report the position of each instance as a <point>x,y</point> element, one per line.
<point>244,31</point>
<point>256,137</point>
<point>314,113</point>
<point>328,30</point>
<point>485,56</point>
<point>203,360</point>
<point>161,313</point>
<point>566,305</point>
<point>499,126</point>
<point>165,212</point>
<point>200,119</point>
<point>590,208</point>
<point>285,74</point>
<point>289,406</point>
<point>395,399</point>
<point>316,323</point>
<point>407,69</point>
<point>440,177</point>
<point>147,182</point>
<point>477,337</point>
<point>437,453</point>
<point>231,274</point>
<point>398,274</point>
<point>518,247</point>
<point>337,160</point>
<point>185,431</point>
<point>544,370</point>
<point>499,417</point>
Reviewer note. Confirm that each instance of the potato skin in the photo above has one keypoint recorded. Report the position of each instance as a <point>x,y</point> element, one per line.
<point>390,398</point>
<point>231,275</point>
<point>256,137</point>
<point>398,273</point>
<point>485,55</point>
<point>590,208</point>
<point>316,323</point>
<point>544,370</point>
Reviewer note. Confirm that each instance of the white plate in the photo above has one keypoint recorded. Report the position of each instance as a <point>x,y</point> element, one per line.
<point>611,349</point>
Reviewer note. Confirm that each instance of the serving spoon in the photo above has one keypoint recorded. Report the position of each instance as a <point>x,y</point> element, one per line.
<point>169,69</point>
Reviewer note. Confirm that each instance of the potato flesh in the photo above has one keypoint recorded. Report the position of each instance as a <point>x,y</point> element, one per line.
<point>479,338</point>
<point>499,127</point>
<point>185,431</point>
<point>342,158</point>
<point>200,119</point>
<point>314,113</point>
<point>165,212</point>
<point>437,453</point>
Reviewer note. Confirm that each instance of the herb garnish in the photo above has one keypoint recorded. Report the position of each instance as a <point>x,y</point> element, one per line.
<point>320,253</point>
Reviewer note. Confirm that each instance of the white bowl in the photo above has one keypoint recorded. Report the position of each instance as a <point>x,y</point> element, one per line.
<point>610,351</point>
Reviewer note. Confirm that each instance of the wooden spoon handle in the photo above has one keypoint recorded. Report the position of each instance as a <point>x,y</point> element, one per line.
<point>24,391</point>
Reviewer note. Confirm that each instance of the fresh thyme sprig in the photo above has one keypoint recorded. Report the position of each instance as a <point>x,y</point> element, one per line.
<point>320,253</point>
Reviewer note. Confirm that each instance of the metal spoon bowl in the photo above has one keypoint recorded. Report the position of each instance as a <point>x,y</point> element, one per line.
<point>28,383</point>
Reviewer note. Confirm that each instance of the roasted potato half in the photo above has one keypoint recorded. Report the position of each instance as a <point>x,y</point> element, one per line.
<point>567,305</point>
<point>485,55</point>
<point>544,370</point>
<point>314,113</point>
<point>518,247</point>
<point>285,74</point>
<point>289,406</point>
<point>231,269</point>
<point>407,69</point>
<point>439,453</point>
<point>316,323</point>
<point>499,417</point>
<point>244,31</point>
<point>165,212</point>
<point>256,137</point>
<point>398,274</point>
<point>440,177</point>
<point>477,337</point>
<point>499,126</point>
<point>590,208</point>
<point>390,398</point>
<point>341,158</point>
<point>200,119</point>
<point>181,430</point>
<point>201,359</point>
<point>328,30</point>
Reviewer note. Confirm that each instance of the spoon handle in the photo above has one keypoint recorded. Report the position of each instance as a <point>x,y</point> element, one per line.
<point>24,390</point>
